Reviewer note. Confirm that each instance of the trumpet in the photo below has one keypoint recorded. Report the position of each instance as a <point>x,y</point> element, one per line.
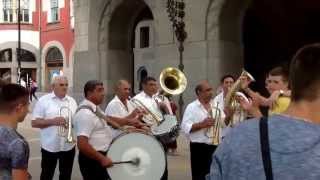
<point>214,131</point>
<point>66,129</point>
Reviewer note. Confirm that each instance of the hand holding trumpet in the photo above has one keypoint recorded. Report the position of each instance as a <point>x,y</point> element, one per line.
<point>208,122</point>
<point>59,121</point>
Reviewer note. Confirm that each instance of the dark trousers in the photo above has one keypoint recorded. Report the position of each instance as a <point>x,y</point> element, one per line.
<point>201,155</point>
<point>33,94</point>
<point>91,169</point>
<point>49,163</point>
<point>165,148</point>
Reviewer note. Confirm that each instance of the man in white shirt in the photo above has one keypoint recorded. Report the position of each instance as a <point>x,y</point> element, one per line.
<point>93,134</point>
<point>120,107</point>
<point>47,117</point>
<point>196,121</point>
<point>147,97</point>
<point>226,82</point>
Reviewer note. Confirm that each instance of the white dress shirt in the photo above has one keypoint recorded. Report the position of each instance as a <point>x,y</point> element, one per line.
<point>48,107</point>
<point>87,124</point>
<point>150,103</point>
<point>116,108</point>
<point>195,113</point>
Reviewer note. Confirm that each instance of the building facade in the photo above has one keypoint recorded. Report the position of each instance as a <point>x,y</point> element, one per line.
<point>134,38</point>
<point>47,40</point>
<point>131,39</point>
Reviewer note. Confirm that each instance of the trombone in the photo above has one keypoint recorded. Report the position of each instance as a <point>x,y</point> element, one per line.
<point>214,131</point>
<point>65,130</point>
<point>154,119</point>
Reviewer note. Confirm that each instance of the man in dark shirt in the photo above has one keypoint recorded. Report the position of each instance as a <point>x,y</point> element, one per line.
<point>14,150</point>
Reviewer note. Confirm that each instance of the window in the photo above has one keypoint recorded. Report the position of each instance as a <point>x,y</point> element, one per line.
<point>54,54</point>
<point>10,11</point>
<point>24,11</point>
<point>54,10</point>
<point>7,11</point>
<point>6,55</point>
<point>144,37</point>
<point>54,58</point>
<point>27,56</point>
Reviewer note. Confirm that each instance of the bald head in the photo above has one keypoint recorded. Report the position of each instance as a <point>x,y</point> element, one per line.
<point>200,86</point>
<point>204,91</point>
<point>123,89</point>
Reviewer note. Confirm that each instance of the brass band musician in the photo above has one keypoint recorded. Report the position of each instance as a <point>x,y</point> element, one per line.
<point>277,85</point>
<point>121,110</point>
<point>147,97</point>
<point>47,117</point>
<point>196,120</point>
<point>226,82</point>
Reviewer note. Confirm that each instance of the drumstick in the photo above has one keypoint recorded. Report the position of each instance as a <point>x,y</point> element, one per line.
<point>135,161</point>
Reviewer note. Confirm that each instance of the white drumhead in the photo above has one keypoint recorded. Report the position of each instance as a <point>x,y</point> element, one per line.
<point>136,145</point>
<point>166,126</point>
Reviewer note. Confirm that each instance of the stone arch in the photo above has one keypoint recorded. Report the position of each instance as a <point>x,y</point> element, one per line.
<point>115,38</point>
<point>224,37</point>
<point>71,66</point>
<point>13,66</point>
<point>45,50</point>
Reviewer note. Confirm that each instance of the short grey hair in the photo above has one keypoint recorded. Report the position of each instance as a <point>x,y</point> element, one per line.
<point>119,83</point>
<point>57,78</point>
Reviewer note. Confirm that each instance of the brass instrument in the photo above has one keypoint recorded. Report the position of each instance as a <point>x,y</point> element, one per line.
<point>66,129</point>
<point>155,119</point>
<point>231,102</point>
<point>172,81</point>
<point>214,131</point>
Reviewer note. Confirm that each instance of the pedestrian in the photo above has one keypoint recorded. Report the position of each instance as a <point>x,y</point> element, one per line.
<point>33,89</point>
<point>14,149</point>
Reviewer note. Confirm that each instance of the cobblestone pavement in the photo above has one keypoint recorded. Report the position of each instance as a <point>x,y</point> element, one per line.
<point>179,166</point>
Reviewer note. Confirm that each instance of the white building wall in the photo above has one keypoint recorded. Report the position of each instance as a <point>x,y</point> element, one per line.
<point>1,12</point>
<point>32,8</point>
<point>29,37</point>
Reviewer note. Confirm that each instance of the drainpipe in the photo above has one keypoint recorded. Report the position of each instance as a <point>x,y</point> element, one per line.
<point>19,43</point>
<point>40,47</point>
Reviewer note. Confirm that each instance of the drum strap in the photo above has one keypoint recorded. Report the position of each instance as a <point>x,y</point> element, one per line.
<point>97,112</point>
<point>265,148</point>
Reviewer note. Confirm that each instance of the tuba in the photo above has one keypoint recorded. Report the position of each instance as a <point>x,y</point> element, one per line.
<point>172,81</point>
<point>214,131</point>
<point>231,102</point>
<point>66,130</point>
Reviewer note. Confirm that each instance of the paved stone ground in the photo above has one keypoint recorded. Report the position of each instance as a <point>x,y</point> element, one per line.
<point>179,166</point>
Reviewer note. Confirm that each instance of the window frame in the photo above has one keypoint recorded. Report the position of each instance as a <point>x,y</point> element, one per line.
<point>54,9</point>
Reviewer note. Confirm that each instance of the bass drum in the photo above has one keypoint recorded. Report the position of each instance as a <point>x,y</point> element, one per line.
<point>145,148</point>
